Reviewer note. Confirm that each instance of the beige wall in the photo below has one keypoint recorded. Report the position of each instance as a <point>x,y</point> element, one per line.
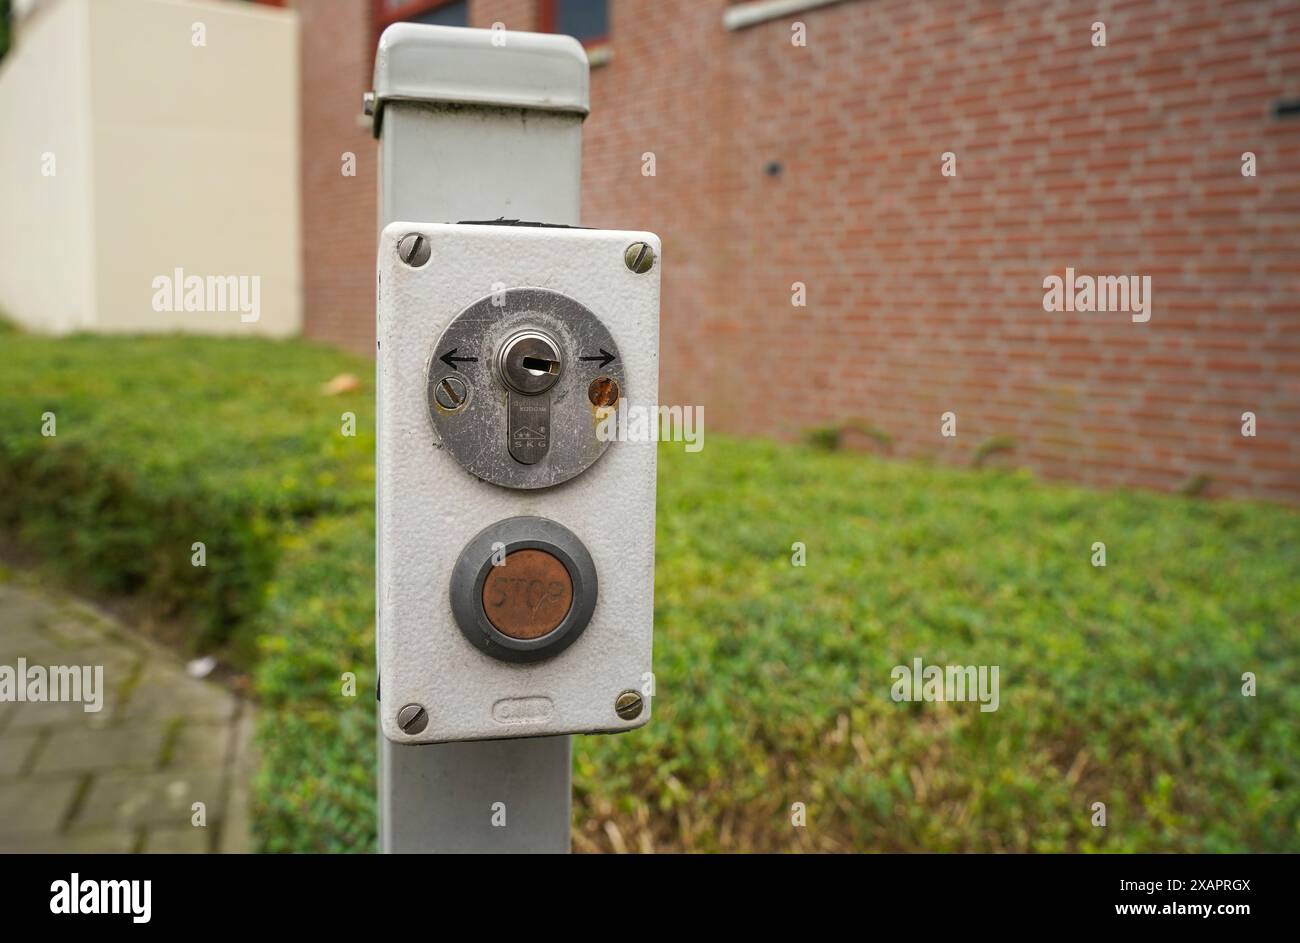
<point>46,245</point>
<point>196,158</point>
<point>190,161</point>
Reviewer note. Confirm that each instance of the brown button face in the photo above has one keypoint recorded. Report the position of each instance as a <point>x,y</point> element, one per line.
<point>528,595</point>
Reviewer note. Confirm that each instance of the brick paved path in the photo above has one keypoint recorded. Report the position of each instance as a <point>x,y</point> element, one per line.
<point>127,777</point>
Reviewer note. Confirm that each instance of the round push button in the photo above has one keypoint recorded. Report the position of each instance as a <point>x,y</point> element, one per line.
<point>523,589</point>
<point>528,595</point>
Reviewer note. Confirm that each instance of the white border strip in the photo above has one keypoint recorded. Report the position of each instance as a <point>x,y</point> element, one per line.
<point>759,11</point>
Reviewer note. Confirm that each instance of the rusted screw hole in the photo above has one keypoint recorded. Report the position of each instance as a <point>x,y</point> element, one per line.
<point>603,391</point>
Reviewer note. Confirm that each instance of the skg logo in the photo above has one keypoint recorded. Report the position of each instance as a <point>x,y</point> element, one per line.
<point>102,897</point>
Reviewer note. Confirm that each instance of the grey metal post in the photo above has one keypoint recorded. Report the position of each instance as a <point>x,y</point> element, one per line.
<point>477,125</point>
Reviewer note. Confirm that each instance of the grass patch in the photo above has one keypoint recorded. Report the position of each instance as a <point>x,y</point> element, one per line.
<point>160,443</point>
<point>1118,685</point>
<point>315,790</point>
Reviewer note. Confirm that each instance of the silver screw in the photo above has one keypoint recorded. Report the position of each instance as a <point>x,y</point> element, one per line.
<point>412,718</point>
<point>629,704</point>
<point>413,249</point>
<point>368,104</point>
<point>451,393</point>
<point>639,257</point>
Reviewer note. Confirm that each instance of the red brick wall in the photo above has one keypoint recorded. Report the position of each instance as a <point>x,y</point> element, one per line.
<point>925,292</point>
<point>515,14</point>
<point>339,212</point>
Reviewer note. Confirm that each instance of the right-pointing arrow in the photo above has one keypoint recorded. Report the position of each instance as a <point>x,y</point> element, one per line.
<point>605,358</point>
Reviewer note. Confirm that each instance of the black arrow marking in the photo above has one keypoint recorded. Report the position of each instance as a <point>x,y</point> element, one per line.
<point>451,361</point>
<point>605,358</point>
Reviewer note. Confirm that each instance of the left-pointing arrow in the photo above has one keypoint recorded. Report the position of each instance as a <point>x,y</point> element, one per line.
<point>450,359</point>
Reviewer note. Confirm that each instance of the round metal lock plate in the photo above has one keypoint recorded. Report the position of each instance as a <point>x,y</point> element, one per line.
<point>527,358</point>
<point>523,589</point>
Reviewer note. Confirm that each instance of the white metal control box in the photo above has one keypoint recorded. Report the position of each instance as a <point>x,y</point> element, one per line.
<point>515,540</point>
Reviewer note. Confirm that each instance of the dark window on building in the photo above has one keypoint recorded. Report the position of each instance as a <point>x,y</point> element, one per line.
<point>431,12</point>
<point>587,20</point>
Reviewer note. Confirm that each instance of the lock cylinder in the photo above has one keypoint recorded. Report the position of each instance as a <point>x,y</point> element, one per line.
<point>529,365</point>
<point>529,362</point>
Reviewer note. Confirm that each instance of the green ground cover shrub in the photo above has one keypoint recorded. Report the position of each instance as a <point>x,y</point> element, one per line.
<point>1119,684</point>
<point>315,678</point>
<point>163,442</point>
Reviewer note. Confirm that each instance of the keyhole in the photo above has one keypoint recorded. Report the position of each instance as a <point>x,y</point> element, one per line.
<point>530,362</point>
<point>540,365</point>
